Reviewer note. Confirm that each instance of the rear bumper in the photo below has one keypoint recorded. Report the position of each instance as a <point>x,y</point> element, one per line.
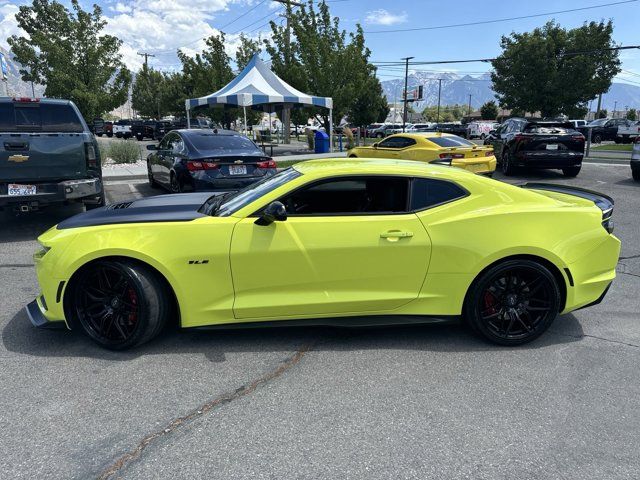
<point>47,193</point>
<point>544,159</point>
<point>203,182</point>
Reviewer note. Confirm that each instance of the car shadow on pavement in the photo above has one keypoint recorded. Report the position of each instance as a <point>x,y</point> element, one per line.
<point>28,226</point>
<point>20,337</point>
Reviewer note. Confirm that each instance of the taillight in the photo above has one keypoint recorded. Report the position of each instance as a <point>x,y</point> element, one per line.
<point>90,155</point>
<point>267,164</point>
<point>578,138</point>
<point>488,153</point>
<point>26,99</point>
<point>522,138</point>
<point>193,166</point>
<point>448,156</point>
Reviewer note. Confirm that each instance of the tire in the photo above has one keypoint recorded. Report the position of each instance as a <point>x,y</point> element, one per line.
<point>152,181</point>
<point>112,319</point>
<point>507,167</point>
<point>174,183</point>
<point>513,302</point>
<point>98,134</point>
<point>379,135</point>
<point>482,136</point>
<point>597,138</point>
<point>353,156</point>
<point>635,173</point>
<point>571,171</point>
<point>139,138</point>
<point>109,134</point>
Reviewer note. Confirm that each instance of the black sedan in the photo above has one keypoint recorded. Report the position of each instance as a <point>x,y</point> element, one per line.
<point>202,159</point>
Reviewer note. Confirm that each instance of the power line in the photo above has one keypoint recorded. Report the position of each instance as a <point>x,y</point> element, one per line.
<point>258,20</point>
<point>242,14</point>
<point>499,20</point>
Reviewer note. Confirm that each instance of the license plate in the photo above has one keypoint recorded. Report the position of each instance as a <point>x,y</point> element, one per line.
<point>552,146</point>
<point>237,169</point>
<point>16,190</point>
<point>476,168</point>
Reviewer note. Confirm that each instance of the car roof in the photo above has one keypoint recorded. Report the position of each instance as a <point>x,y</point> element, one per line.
<point>419,135</point>
<point>373,166</point>
<point>206,132</point>
<point>55,101</point>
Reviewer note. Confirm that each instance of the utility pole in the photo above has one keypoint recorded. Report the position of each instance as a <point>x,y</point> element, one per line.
<point>599,105</point>
<point>406,79</point>
<point>615,106</point>
<point>469,110</point>
<point>146,57</point>
<point>439,90</point>
<point>286,110</point>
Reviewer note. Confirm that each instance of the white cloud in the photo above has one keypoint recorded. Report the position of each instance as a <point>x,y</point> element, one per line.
<point>8,24</point>
<point>382,17</point>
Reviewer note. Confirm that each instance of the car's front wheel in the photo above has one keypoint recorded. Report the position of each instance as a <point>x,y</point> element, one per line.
<point>513,302</point>
<point>119,304</point>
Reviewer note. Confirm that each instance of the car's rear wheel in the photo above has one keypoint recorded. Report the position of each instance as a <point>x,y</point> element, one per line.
<point>635,173</point>
<point>118,303</point>
<point>571,171</point>
<point>597,138</point>
<point>174,183</point>
<point>507,166</point>
<point>513,302</point>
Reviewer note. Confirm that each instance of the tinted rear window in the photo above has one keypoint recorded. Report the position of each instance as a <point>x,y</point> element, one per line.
<point>451,141</point>
<point>39,117</point>
<point>427,193</point>
<point>546,129</point>
<point>222,143</point>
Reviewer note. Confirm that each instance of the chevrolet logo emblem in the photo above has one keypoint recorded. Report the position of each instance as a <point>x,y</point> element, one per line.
<point>18,158</point>
<point>238,161</point>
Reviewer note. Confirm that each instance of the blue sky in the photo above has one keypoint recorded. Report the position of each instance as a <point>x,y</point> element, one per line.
<point>162,26</point>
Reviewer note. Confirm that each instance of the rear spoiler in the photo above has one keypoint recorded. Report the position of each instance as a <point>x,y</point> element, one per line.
<point>602,201</point>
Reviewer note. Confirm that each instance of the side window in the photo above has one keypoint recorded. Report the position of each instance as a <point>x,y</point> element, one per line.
<point>426,193</point>
<point>164,144</point>
<point>177,145</point>
<point>396,142</point>
<point>350,196</point>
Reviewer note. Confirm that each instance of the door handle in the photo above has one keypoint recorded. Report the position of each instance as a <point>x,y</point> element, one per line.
<point>394,235</point>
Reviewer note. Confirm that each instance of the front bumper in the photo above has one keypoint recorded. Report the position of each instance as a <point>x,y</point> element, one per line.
<point>37,318</point>
<point>47,193</point>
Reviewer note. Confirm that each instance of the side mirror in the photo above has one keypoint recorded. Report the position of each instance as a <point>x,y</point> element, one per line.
<point>152,147</point>
<point>274,212</point>
<point>375,145</point>
<point>492,133</point>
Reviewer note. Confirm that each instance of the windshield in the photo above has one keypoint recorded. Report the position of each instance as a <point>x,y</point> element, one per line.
<point>223,143</point>
<point>599,122</point>
<point>451,141</point>
<point>234,202</point>
<point>39,117</point>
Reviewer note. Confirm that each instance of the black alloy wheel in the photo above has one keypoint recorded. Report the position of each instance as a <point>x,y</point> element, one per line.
<point>118,304</point>
<point>513,302</point>
<point>174,183</point>
<point>597,139</point>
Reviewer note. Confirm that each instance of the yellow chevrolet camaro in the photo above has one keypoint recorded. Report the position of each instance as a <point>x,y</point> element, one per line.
<point>340,242</point>
<point>432,147</point>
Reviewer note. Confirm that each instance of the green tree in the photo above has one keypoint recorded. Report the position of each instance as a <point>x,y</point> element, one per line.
<point>543,70</point>
<point>602,113</point>
<point>632,114</point>
<point>67,51</point>
<point>370,105</point>
<point>146,93</point>
<point>206,73</point>
<point>489,111</point>
<point>322,59</point>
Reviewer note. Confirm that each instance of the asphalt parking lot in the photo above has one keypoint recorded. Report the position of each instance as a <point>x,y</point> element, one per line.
<point>399,402</point>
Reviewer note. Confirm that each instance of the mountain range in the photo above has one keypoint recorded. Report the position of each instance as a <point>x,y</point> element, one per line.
<point>457,88</point>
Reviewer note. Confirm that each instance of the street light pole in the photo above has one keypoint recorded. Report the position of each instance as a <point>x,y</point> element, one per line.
<point>406,79</point>
<point>469,110</point>
<point>615,106</point>
<point>439,90</point>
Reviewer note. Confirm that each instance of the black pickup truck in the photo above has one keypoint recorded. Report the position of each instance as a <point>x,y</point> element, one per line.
<point>142,129</point>
<point>604,129</point>
<point>47,155</point>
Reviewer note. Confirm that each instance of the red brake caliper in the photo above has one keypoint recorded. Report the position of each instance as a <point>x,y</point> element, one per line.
<point>489,302</point>
<point>133,298</point>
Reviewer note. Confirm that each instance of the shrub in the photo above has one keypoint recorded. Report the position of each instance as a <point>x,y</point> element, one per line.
<point>120,151</point>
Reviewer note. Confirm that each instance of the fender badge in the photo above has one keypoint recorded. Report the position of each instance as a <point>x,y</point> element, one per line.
<point>18,158</point>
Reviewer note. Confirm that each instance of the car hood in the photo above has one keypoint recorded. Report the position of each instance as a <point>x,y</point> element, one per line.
<point>180,207</point>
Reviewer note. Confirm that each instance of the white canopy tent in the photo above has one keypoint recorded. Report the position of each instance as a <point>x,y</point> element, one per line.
<point>258,87</point>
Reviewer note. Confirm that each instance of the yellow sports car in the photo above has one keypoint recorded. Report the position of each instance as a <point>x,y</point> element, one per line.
<point>342,242</point>
<point>432,147</point>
